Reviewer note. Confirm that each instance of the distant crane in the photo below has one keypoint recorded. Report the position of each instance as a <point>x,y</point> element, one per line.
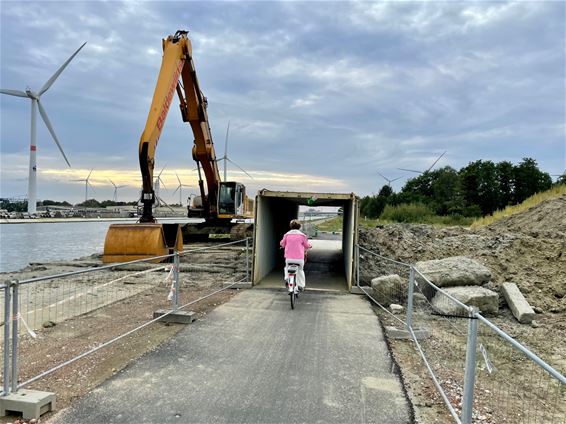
<point>430,167</point>
<point>226,159</point>
<point>388,180</point>
<point>35,106</point>
<point>87,183</point>
<point>115,196</point>
<point>180,189</point>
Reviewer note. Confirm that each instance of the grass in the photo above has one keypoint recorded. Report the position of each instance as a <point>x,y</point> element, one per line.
<point>331,225</point>
<point>532,201</point>
<point>435,220</point>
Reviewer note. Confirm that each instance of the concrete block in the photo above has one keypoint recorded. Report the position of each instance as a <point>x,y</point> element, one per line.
<point>179,317</point>
<point>30,403</point>
<point>241,285</point>
<point>517,303</point>
<point>389,289</point>
<point>454,271</point>
<point>486,300</point>
<point>358,290</point>
<point>403,334</point>
<point>396,309</point>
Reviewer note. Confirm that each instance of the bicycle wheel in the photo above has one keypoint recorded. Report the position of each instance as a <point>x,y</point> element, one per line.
<point>292,293</point>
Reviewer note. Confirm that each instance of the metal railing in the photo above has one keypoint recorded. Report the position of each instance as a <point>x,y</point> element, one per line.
<point>479,372</point>
<point>31,304</point>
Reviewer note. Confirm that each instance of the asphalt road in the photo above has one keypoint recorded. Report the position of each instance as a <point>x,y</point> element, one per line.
<point>254,360</point>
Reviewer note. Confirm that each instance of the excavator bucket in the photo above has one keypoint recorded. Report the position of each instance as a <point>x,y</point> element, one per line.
<point>128,242</point>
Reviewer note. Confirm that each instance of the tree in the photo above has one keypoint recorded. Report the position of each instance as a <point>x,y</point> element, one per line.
<point>528,180</point>
<point>505,180</point>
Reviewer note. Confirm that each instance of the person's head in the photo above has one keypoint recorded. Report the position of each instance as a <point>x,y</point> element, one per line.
<point>295,224</point>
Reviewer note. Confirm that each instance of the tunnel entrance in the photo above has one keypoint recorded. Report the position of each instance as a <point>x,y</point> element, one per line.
<point>330,264</point>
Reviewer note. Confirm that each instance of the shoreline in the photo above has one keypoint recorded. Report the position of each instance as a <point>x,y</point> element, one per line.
<point>67,220</point>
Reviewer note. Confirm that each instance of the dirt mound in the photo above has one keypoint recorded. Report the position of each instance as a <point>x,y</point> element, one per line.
<point>547,216</point>
<point>536,263</point>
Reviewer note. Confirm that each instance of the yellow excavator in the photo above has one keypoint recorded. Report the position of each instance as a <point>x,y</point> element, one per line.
<point>219,202</point>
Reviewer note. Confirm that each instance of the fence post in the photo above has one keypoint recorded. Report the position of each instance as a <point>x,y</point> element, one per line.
<point>248,278</point>
<point>176,281</point>
<point>470,371</point>
<point>358,265</point>
<point>7,322</point>
<point>410,297</point>
<point>15,329</point>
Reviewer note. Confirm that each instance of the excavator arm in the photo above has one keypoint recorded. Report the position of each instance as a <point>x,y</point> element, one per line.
<point>149,239</point>
<point>177,64</point>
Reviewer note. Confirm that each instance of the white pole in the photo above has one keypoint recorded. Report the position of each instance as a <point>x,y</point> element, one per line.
<point>32,177</point>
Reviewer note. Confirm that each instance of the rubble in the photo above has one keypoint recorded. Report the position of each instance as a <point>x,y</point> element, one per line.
<point>517,303</point>
<point>484,299</point>
<point>454,271</point>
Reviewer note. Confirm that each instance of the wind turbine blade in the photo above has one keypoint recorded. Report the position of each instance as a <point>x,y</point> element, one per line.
<point>51,130</point>
<point>226,141</point>
<point>112,182</point>
<point>165,203</point>
<point>382,176</point>
<point>395,179</point>
<point>411,170</point>
<point>51,80</point>
<point>162,169</point>
<point>122,186</point>
<point>13,92</point>
<point>162,183</point>
<point>90,173</point>
<point>176,190</point>
<point>431,166</point>
<point>242,169</point>
<point>177,175</point>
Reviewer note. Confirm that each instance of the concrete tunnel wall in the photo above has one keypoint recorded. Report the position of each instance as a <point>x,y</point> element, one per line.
<point>272,216</point>
<point>269,227</point>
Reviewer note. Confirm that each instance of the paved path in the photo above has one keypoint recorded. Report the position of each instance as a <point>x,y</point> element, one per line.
<point>253,360</point>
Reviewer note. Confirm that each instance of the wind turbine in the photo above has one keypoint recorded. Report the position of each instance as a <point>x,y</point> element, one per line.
<point>35,106</point>
<point>429,168</point>
<point>87,183</point>
<point>388,180</point>
<point>115,196</point>
<point>226,159</point>
<point>157,183</point>
<point>180,188</point>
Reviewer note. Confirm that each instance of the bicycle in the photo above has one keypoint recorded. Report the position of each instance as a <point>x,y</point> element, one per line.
<point>292,286</point>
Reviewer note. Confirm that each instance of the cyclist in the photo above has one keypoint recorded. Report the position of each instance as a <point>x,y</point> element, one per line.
<point>295,244</point>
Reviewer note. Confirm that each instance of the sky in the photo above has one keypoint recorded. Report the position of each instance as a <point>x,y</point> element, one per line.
<point>321,96</point>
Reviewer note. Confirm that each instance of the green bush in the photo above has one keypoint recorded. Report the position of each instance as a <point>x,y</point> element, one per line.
<point>407,212</point>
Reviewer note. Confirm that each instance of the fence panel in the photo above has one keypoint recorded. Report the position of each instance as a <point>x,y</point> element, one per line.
<point>65,318</point>
<point>511,388</point>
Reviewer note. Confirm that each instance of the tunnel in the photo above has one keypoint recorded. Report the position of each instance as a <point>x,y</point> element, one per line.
<point>330,264</point>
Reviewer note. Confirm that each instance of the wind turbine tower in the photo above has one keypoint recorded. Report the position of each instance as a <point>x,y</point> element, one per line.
<point>180,188</point>
<point>115,196</point>
<point>87,183</point>
<point>35,106</point>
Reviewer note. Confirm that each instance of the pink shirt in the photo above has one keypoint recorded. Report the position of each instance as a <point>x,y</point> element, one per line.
<point>295,244</point>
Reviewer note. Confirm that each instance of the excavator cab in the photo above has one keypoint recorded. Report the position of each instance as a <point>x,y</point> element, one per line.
<point>231,200</point>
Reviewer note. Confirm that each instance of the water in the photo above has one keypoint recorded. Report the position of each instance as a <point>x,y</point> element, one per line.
<point>21,244</point>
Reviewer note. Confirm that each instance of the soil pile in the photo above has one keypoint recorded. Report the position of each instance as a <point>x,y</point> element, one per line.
<point>547,216</point>
<point>528,249</point>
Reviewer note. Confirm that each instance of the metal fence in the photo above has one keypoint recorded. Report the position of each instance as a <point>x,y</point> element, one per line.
<point>87,304</point>
<point>479,372</point>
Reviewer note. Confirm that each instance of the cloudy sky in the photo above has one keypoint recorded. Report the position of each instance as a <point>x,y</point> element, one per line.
<point>320,95</point>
